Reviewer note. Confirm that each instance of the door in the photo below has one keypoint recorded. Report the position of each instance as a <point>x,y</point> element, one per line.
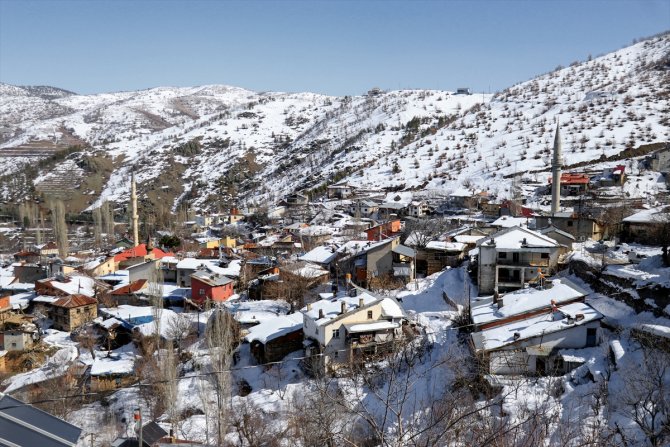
<point>591,334</point>
<point>540,366</point>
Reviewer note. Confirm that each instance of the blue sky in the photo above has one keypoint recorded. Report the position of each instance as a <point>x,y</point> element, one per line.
<point>332,47</point>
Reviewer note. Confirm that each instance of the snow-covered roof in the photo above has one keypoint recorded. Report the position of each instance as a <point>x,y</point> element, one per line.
<point>522,301</point>
<point>306,270</point>
<point>652,215</point>
<point>332,308</point>
<point>500,336</point>
<point>254,312</point>
<point>510,221</point>
<point>316,230</point>
<point>467,238</point>
<point>371,327</point>
<point>275,327</point>
<point>117,364</point>
<point>391,308</point>
<point>320,255</point>
<point>520,239</point>
<point>404,251</point>
<point>445,246</point>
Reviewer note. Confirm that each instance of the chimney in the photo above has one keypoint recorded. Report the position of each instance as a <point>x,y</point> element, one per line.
<point>309,307</point>
<point>360,302</point>
<point>320,314</point>
<point>556,165</point>
<point>343,307</point>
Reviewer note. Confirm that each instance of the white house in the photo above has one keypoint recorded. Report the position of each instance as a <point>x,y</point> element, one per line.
<point>514,256</point>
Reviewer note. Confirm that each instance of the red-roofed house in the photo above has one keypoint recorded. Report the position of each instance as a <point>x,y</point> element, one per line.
<point>573,184</point>
<point>135,255</point>
<point>129,294</point>
<point>72,311</point>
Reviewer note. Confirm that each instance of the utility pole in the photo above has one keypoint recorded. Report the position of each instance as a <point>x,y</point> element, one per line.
<point>138,421</point>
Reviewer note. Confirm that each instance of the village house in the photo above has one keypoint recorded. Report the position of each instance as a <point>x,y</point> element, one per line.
<point>363,208</point>
<point>72,311</point>
<point>384,230</point>
<point>581,227</point>
<point>275,338</point>
<point>365,260</point>
<point>139,254</point>
<point>389,210</point>
<point>5,308</point>
<point>315,235</point>
<point>50,249</point>
<point>322,255</point>
<point>18,334</point>
<point>99,267</point>
<point>523,332</point>
<point>209,286</point>
<point>131,293</point>
<point>437,255</point>
<point>340,191</point>
<point>563,238</point>
<point>29,257</point>
<point>418,208</point>
<point>113,372</point>
<point>296,199</point>
<point>642,226</point>
<point>28,273</point>
<point>573,184</point>
<point>466,199</point>
<point>345,329</point>
<point>661,160</point>
<point>68,285</point>
<point>512,257</point>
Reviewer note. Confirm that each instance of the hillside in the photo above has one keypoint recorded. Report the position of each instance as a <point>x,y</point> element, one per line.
<point>212,145</point>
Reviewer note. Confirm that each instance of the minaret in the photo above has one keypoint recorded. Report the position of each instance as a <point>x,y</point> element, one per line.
<point>135,218</point>
<point>556,165</point>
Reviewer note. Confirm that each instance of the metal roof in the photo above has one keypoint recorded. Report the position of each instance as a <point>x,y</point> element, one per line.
<point>22,424</point>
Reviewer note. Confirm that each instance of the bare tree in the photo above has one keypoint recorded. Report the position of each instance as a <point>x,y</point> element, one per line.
<point>645,396</point>
<point>97,227</point>
<point>60,227</point>
<point>221,339</point>
<point>418,232</point>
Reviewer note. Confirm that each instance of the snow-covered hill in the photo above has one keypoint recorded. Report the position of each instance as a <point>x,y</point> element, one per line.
<point>207,144</point>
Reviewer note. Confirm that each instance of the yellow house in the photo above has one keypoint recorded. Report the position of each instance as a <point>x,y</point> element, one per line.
<point>346,329</point>
<point>214,243</point>
<point>229,242</point>
<point>100,267</point>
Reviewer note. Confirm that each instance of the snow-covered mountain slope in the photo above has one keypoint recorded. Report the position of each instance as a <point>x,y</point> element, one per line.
<point>217,143</point>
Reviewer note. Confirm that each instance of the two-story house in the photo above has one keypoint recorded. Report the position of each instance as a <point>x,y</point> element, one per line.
<point>514,256</point>
<point>525,331</point>
<point>341,330</point>
<point>73,311</point>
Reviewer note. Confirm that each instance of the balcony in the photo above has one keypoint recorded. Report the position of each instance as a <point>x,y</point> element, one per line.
<point>521,262</point>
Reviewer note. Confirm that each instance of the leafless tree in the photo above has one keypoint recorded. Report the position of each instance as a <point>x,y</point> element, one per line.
<point>645,396</point>
<point>60,227</point>
<point>221,339</point>
<point>421,231</point>
<point>97,227</point>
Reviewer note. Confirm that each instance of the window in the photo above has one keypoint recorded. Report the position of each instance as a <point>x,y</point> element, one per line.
<point>570,223</point>
<point>336,333</point>
<point>369,315</point>
<point>13,345</point>
<point>502,255</point>
<point>544,255</point>
<point>202,292</point>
